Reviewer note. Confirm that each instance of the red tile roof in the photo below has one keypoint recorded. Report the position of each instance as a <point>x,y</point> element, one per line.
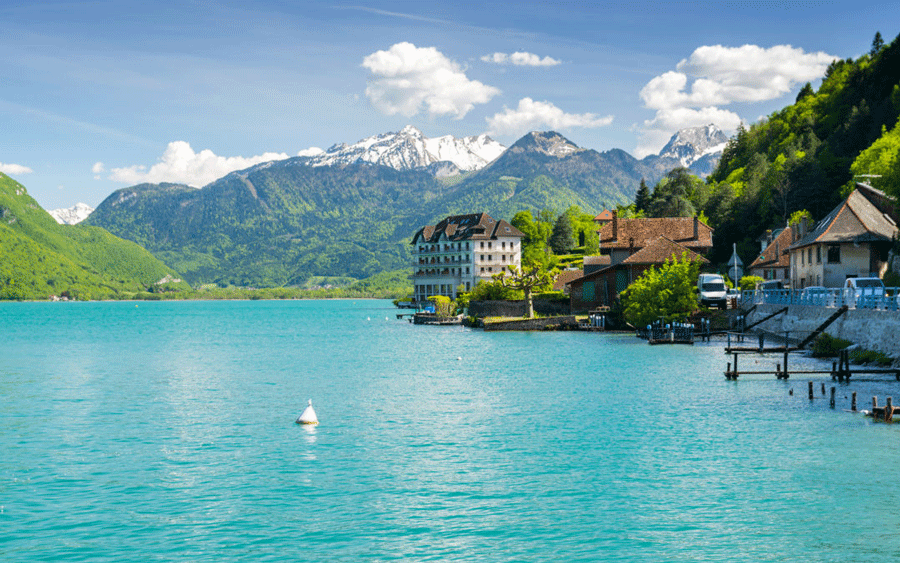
<point>775,255</point>
<point>644,231</point>
<point>660,250</point>
<point>475,226</point>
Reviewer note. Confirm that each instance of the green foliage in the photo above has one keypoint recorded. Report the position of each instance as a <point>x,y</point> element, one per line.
<point>827,346</point>
<point>528,280</point>
<point>679,194</point>
<point>800,215</point>
<point>665,292</point>
<point>749,283</point>
<point>881,158</point>
<point>561,240</point>
<point>800,157</point>
<point>864,356</point>
<point>42,258</point>
<point>443,306</point>
<point>642,197</point>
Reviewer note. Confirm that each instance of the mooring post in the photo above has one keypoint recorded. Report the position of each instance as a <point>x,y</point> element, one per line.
<point>735,365</point>
<point>834,374</point>
<point>823,389</point>
<point>853,402</point>
<point>778,371</point>
<point>832,397</point>
<point>728,371</point>
<point>729,340</point>
<point>889,411</point>
<point>810,390</point>
<point>786,372</point>
<point>762,340</point>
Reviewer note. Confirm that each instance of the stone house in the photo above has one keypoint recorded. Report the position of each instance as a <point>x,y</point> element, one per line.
<point>854,240</point>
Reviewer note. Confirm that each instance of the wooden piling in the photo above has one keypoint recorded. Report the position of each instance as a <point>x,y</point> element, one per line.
<point>832,397</point>
<point>823,389</point>
<point>874,404</point>
<point>810,390</point>
<point>778,370</point>
<point>853,402</point>
<point>728,371</point>
<point>833,371</point>
<point>889,411</point>
<point>786,372</point>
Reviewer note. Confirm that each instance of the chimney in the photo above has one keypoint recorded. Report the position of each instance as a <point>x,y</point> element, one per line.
<point>615,224</point>
<point>696,228</point>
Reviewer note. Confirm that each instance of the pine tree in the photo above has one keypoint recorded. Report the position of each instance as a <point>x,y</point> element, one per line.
<point>642,198</point>
<point>877,44</point>
<point>562,240</point>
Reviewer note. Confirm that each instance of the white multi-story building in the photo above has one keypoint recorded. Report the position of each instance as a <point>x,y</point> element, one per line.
<point>460,251</point>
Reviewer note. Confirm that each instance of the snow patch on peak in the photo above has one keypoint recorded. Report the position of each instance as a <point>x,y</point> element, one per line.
<point>691,144</point>
<point>72,215</point>
<point>409,149</point>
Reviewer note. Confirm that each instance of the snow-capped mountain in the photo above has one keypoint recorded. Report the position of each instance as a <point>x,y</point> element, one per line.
<point>695,143</point>
<point>73,215</point>
<point>410,149</point>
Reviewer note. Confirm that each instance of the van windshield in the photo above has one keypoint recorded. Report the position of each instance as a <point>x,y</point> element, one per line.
<point>869,283</point>
<point>716,286</point>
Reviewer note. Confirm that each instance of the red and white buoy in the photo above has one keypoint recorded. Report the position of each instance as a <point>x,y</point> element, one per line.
<point>308,416</point>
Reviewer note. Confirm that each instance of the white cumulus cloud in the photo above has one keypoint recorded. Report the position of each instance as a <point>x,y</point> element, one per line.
<point>98,168</point>
<point>520,58</point>
<point>407,79</point>
<point>15,169</point>
<point>180,164</point>
<point>531,115</point>
<point>715,76</point>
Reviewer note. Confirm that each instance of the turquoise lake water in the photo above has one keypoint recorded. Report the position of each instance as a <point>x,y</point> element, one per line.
<point>165,431</point>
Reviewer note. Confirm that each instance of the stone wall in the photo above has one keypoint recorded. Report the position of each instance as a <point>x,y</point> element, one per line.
<point>533,324</point>
<point>874,330</point>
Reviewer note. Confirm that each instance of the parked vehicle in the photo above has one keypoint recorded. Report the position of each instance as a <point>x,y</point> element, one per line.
<point>712,290</point>
<point>864,292</point>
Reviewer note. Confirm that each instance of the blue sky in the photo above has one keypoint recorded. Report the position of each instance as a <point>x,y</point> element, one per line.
<point>99,95</point>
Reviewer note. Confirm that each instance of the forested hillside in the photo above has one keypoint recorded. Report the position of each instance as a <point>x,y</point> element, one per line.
<point>808,155</point>
<point>283,222</point>
<point>42,258</point>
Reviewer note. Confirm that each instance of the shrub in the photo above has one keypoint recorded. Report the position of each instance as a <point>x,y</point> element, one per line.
<point>749,283</point>
<point>863,356</point>
<point>827,346</point>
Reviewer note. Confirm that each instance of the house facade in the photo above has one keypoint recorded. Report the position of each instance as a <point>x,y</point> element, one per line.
<point>460,251</point>
<point>852,241</point>
<point>774,260</point>
<point>630,247</point>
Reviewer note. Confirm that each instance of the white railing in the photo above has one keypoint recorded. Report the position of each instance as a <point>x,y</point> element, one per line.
<point>888,300</point>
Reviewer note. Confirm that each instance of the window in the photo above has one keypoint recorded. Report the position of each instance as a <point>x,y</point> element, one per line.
<point>587,291</point>
<point>489,257</point>
<point>809,255</point>
<point>834,254</point>
<point>802,258</point>
<point>489,245</point>
<point>503,245</point>
<point>818,255</point>
<point>482,244</point>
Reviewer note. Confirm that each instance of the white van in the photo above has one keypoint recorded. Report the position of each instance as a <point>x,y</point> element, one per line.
<point>864,293</point>
<point>712,290</point>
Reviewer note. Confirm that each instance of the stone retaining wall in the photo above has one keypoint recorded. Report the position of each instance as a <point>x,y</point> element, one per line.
<point>873,330</point>
<point>532,324</point>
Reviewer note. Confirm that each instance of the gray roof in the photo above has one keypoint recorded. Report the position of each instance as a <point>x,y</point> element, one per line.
<point>475,226</point>
<point>867,215</point>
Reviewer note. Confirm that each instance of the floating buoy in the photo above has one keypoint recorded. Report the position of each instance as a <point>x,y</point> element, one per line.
<point>308,416</point>
<point>458,358</point>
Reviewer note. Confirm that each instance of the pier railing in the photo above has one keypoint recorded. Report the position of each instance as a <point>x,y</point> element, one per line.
<point>888,300</point>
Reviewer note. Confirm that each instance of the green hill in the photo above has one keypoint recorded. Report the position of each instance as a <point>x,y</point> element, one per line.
<point>802,156</point>
<point>42,258</point>
<point>284,222</point>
